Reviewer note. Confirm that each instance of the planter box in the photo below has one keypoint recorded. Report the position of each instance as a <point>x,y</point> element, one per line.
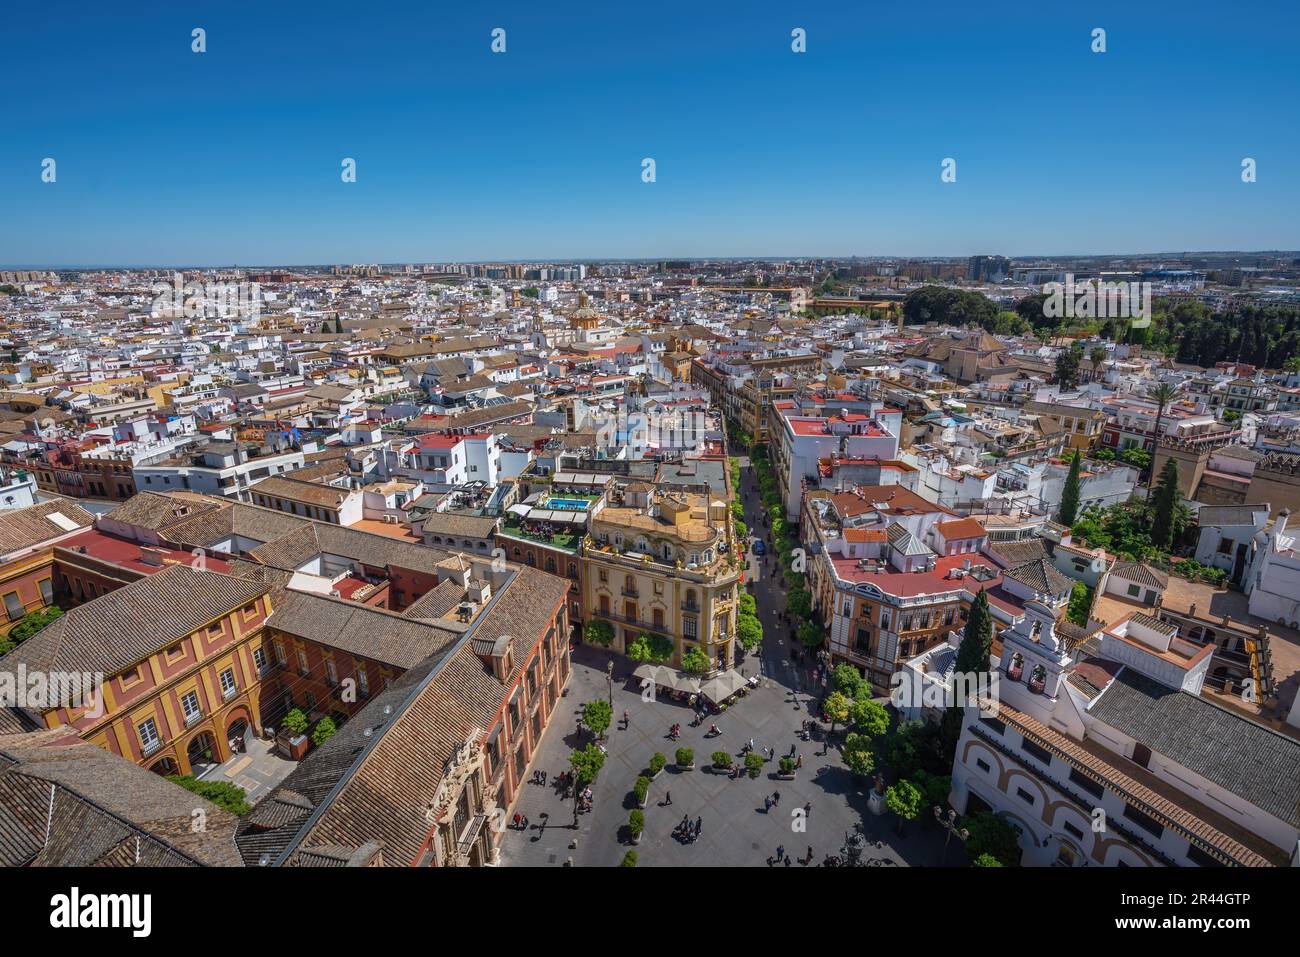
<point>686,767</point>
<point>782,776</point>
<point>636,838</point>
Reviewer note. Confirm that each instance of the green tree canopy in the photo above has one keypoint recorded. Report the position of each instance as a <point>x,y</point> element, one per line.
<point>977,638</point>
<point>836,707</point>
<point>990,834</point>
<point>696,662</point>
<point>598,632</point>
<point>586,763</point>
<point>1164,506</point>
<point>597,715</point>
<point>1070,494</point>
<point>221,793</point>
<point>859,754</point>
<point>904,799</point>
<point>648,647</point>
<point>868,717</point>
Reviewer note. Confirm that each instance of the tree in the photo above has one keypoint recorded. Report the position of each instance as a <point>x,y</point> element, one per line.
<point>295,722</point>
<point>1097,356</point>
<point>836,707</point>
<point>599,632</point>
<point>990,834</point>
<point>647,647</point>
<point>1161,395</point>
<point>1070,494</point>
<point>859,755</point>
<point>869,718</point>
<point>846,679</point>
<point>798,603</point>
<point>324,730</point>
<point>221,793</point>
<point>629,859</point>
<point>810,634</point>
<point>1165,504</point>
<point>1080,604</point>
<point>986,860</point>
<point>977,638</point>
<point>749,630</point>
<point>904,799</point>
<point>597,715</point>
<point>696,662</point>
<point>586,764</point>
<point>1067,366</point>
<point>934,788</point>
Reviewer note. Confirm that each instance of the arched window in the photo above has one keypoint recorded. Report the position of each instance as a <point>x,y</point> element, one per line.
<point>1038,679</point>
<point>550,564</point>
<point>1016,667</point>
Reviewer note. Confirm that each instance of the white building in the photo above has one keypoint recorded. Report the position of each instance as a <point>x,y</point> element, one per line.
<point>1113,758</point>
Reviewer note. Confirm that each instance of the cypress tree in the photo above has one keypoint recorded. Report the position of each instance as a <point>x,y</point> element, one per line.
<point>973,652</point>
<point>1070,495</point>
<point>1164,503</point>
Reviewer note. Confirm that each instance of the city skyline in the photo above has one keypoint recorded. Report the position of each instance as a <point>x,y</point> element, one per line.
<point>233,155</point>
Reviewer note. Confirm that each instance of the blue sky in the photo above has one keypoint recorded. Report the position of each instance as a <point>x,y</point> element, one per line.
<point>233,156</point>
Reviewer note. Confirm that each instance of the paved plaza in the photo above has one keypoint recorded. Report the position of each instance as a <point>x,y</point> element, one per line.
<point>737,830</point>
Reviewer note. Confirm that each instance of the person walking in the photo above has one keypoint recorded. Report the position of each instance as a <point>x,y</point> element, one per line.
<point>767,805</point>
<point>699,826</point>
<point>807,810</point>
<point>780,853</point>
<point>799,762</point>
<point>668,798</point>
<point>776,797</point>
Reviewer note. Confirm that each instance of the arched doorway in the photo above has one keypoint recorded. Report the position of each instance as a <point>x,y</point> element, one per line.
<point>165,767</point>
<point>237,735</point>
<point>202,754</point>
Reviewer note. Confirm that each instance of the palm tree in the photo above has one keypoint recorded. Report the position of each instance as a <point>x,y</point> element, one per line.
<point>1097,356</point>
<point>1161,395</point>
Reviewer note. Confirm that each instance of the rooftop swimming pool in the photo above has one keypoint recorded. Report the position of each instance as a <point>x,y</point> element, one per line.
<point>567,504</point>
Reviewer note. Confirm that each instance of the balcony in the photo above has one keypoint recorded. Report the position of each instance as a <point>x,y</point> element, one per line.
<point>691,606</point>
<point>630,592</point>
<point>229,693</point>
<point>192,719</point>
<point>660,629</point>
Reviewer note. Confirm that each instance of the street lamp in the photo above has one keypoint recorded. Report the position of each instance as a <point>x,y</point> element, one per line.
<point>609,676</point>
<point>949,823</point>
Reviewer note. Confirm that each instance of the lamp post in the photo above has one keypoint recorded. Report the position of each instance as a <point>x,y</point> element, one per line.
<point>949,823</point>
<point>609,677</point>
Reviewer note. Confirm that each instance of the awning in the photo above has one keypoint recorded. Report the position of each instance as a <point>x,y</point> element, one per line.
<point>723,686</point>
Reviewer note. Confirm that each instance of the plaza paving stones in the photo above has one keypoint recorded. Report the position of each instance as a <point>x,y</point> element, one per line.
<point>737,830</point>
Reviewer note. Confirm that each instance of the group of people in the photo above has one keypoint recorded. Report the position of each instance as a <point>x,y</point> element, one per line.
<point>688,830</point>
<point>782,858</point>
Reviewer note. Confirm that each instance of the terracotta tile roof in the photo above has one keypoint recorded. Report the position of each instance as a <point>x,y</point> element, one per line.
<point>117,631</point>
<point>24,528</point>
<point>106,811</point>
<point>378,788</point>
<point>373,633</point>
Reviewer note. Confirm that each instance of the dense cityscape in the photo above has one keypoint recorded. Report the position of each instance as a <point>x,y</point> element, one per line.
<point>452,453</point>
<point>514,563</point>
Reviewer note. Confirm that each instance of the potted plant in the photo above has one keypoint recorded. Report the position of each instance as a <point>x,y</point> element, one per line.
<point>636,824</point>
<point>721,760</point>
<point>686,759</point>
<point>629,859</point>
<point>657,763</point>
<point>641,789</point>
<point>292,739</point>
<point>787,769</point>
<point>754,764</point>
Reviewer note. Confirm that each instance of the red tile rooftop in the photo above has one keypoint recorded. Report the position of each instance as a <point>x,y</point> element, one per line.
<point>911,584</point>
<point>128,554</point>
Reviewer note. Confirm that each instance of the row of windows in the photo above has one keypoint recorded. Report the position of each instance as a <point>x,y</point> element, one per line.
<point>191,709</point>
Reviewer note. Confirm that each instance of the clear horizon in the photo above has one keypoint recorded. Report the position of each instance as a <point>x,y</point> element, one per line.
<point>168,158</point>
